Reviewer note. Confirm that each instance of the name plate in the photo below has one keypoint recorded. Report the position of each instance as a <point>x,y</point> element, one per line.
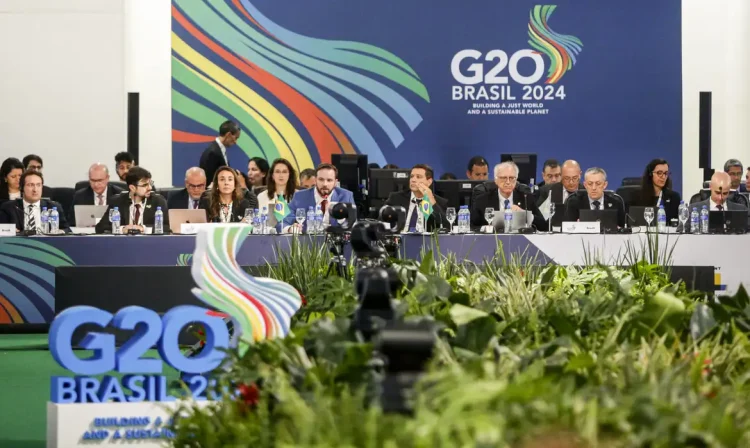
<point>7,230</point>
<point>581,227</point>
<point>190,228</point>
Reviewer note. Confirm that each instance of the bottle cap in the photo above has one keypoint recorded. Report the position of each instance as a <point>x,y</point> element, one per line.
<point>158,208</point>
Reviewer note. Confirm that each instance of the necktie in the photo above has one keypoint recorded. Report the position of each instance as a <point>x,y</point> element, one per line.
<point>324,204</point>
<point>30,221</point>
<point>596,205</point>
<point>195,204</point>
<point>136,219</point>
<point>414,216</point>
<point>101,199</point>
<point>720,207</point>
<point>507,203</point>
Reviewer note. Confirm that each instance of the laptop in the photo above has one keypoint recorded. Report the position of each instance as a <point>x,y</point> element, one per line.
<point>519,221</point>
<point>736,221</point>
<point>178,217</point>
<point>608,218</point>
<point>89,215</point>
<point>636,218</point>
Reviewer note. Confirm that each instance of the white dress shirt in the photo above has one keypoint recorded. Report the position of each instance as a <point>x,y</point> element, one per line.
<point>37,212</point>
<point>714,207</point>
<point>503,199</point>
<point>223,151</point>
<point>601,203</point>
<point>103,195</point>
<point>193,204</point>
<point>414,208</point>
<point>132,213</point>
<point>14,196</point>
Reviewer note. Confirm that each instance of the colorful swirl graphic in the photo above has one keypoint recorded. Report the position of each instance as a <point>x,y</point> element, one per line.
<point>292,95</point>
<point>561,49</point>
<point>261,308</point>
<point>27,280</point>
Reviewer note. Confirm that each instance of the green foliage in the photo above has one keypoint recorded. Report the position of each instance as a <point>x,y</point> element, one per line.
<point>528,355</point>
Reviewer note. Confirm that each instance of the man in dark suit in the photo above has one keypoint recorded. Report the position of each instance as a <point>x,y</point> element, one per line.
<point>215,156</point>
<point>558,192</point>
<point>551,174</point>
<point>506,193</point>
<point>420,181</point>
<point>99,191</point>
<point>594,198</point>
<point>189,197</point>
<point>138,206</point>
<point>26,213</point>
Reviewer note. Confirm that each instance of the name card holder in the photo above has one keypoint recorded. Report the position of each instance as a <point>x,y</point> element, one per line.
<point>191,228</point>
<point>581,227</point>
<point>7,230</point>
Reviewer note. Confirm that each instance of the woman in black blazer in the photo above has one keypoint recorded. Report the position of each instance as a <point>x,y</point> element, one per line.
<point>225,202</point>
<point>656,189</point>
<point>10,179</point>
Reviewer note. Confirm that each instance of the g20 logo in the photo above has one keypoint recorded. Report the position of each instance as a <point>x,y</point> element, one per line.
<point>150,330</point>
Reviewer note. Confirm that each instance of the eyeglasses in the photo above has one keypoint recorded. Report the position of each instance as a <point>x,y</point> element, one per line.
<point>571,179</point>
<point>150,184</point>
<point>506,179</point>
<point>199,186</point>
<point>662,173</point>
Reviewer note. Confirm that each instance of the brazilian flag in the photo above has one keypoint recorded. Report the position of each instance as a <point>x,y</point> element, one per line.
<point>426,208</point>
<point>281,209</point>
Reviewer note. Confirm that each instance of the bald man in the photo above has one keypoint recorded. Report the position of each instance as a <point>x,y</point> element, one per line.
<point>558,192</point>
<point>189,197</point>
<point>98,192</point>
<point>721,184</point>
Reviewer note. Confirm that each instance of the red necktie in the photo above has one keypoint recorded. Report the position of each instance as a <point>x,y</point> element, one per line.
<point>324,204</point>
<point>137,214</point>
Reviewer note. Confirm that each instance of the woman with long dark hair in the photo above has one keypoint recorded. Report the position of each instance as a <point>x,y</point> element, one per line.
<point>225,201</point>
<point>282,181</point>
<point>656,189</point>
<point>10,179</point>
<point>257,174</point>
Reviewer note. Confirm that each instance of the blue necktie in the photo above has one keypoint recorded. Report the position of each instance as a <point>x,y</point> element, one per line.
<point>507,201</point>
<point>414,216</point>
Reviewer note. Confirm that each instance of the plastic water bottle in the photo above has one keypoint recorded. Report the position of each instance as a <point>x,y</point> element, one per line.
<point>661,220</point>
<point>463,219</point>
<point>319,227</point>
<point>683,214</point>
<point>264,220</point>
<point>54,221</point>
<point>256,222</point>
<point>531,184</point>
<point>694,221</point>
<point>312,225</point>
<point>704,220</point>
<point>44,217</point>
<point>508,219</point>
<point>116,221</point>
<point>158,221</point>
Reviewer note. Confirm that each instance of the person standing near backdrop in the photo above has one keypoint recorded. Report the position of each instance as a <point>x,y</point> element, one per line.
<point>215,156</point>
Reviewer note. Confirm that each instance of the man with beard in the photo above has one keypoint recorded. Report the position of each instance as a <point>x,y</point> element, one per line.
<point>325,194</point>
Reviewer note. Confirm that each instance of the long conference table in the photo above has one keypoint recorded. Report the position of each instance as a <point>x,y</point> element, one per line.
<point>28,264</point>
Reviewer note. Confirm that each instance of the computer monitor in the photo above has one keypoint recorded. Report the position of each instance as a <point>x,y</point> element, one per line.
<point>384,182</point>
<point>457,192</point>
<point>353,176</point>
<point>526,166</point>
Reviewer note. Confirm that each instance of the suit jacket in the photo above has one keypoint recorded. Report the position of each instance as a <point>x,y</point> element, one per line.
<point>123,202</point>
<point>732,206</point>
<point>436,219</point>
<point>553,192</point>
<point>580,201</point>
<point>491,198</point>
<point>179,200</point>
<point>670,199</point>
<point>238,209</point>
<point>85,196</point>
<point>211,160</point>
<point>11,212</point>
<point>306,198</point>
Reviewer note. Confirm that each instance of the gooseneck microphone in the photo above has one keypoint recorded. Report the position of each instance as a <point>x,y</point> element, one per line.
<point>723,208</point>
<point>625,229</point>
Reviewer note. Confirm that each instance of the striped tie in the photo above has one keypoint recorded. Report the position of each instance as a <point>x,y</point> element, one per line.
<point>30,221</point>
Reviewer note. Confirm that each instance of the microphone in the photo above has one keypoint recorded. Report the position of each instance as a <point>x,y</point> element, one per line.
<point>625,229</point>
<point>723,209</point>
<point>530,227</point>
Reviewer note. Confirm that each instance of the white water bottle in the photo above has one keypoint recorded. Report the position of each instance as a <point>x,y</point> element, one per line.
<point>115,221</point>
<point>695,221</point>
<point>256,222</point>
<point>44,217</point>
<point>508,218</point>
<point>264,220</point>
<point>158,221</point>
<point>463,219</point>
<point>54,221</point>
<point>661,220</point>
<point>311,224</point>
<point>704,220</point>
<point>319,227</point>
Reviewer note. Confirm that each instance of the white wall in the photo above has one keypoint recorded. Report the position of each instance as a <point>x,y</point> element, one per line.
<point>79,58</point>
<point>62,84</point>
<point>715,59</point>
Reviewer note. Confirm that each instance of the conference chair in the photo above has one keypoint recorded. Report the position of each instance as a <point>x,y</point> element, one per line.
<point>629,181</point>
<point>85,183</point>
<point>64,197</point>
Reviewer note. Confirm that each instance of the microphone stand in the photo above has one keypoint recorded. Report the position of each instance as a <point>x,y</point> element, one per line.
<point>626,229</point>
<point>528,229</point>
<point>723,210</point>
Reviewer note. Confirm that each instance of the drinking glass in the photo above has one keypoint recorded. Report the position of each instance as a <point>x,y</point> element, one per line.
<point>249,215</point>
<point>551,214</point>
<point>648,215</point>
<point>110,213</point>
<point>450,215</point>
<point>684,215</point>
<point>489,215</point>
<point>300,215</point>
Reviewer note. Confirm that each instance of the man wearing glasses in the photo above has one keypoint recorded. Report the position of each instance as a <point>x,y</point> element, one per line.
<point>506,192</point>
<point>557,193</point>
<point>189,197</point>
<point>594,198</point>
<point>99,191</point>
<point>137,206</point>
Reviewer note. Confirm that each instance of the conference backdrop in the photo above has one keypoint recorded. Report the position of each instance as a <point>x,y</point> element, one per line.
<point>425,81</point>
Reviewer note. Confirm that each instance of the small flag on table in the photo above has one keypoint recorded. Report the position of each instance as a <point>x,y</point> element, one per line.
<point>281,209</point>
<point>426,208</point>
